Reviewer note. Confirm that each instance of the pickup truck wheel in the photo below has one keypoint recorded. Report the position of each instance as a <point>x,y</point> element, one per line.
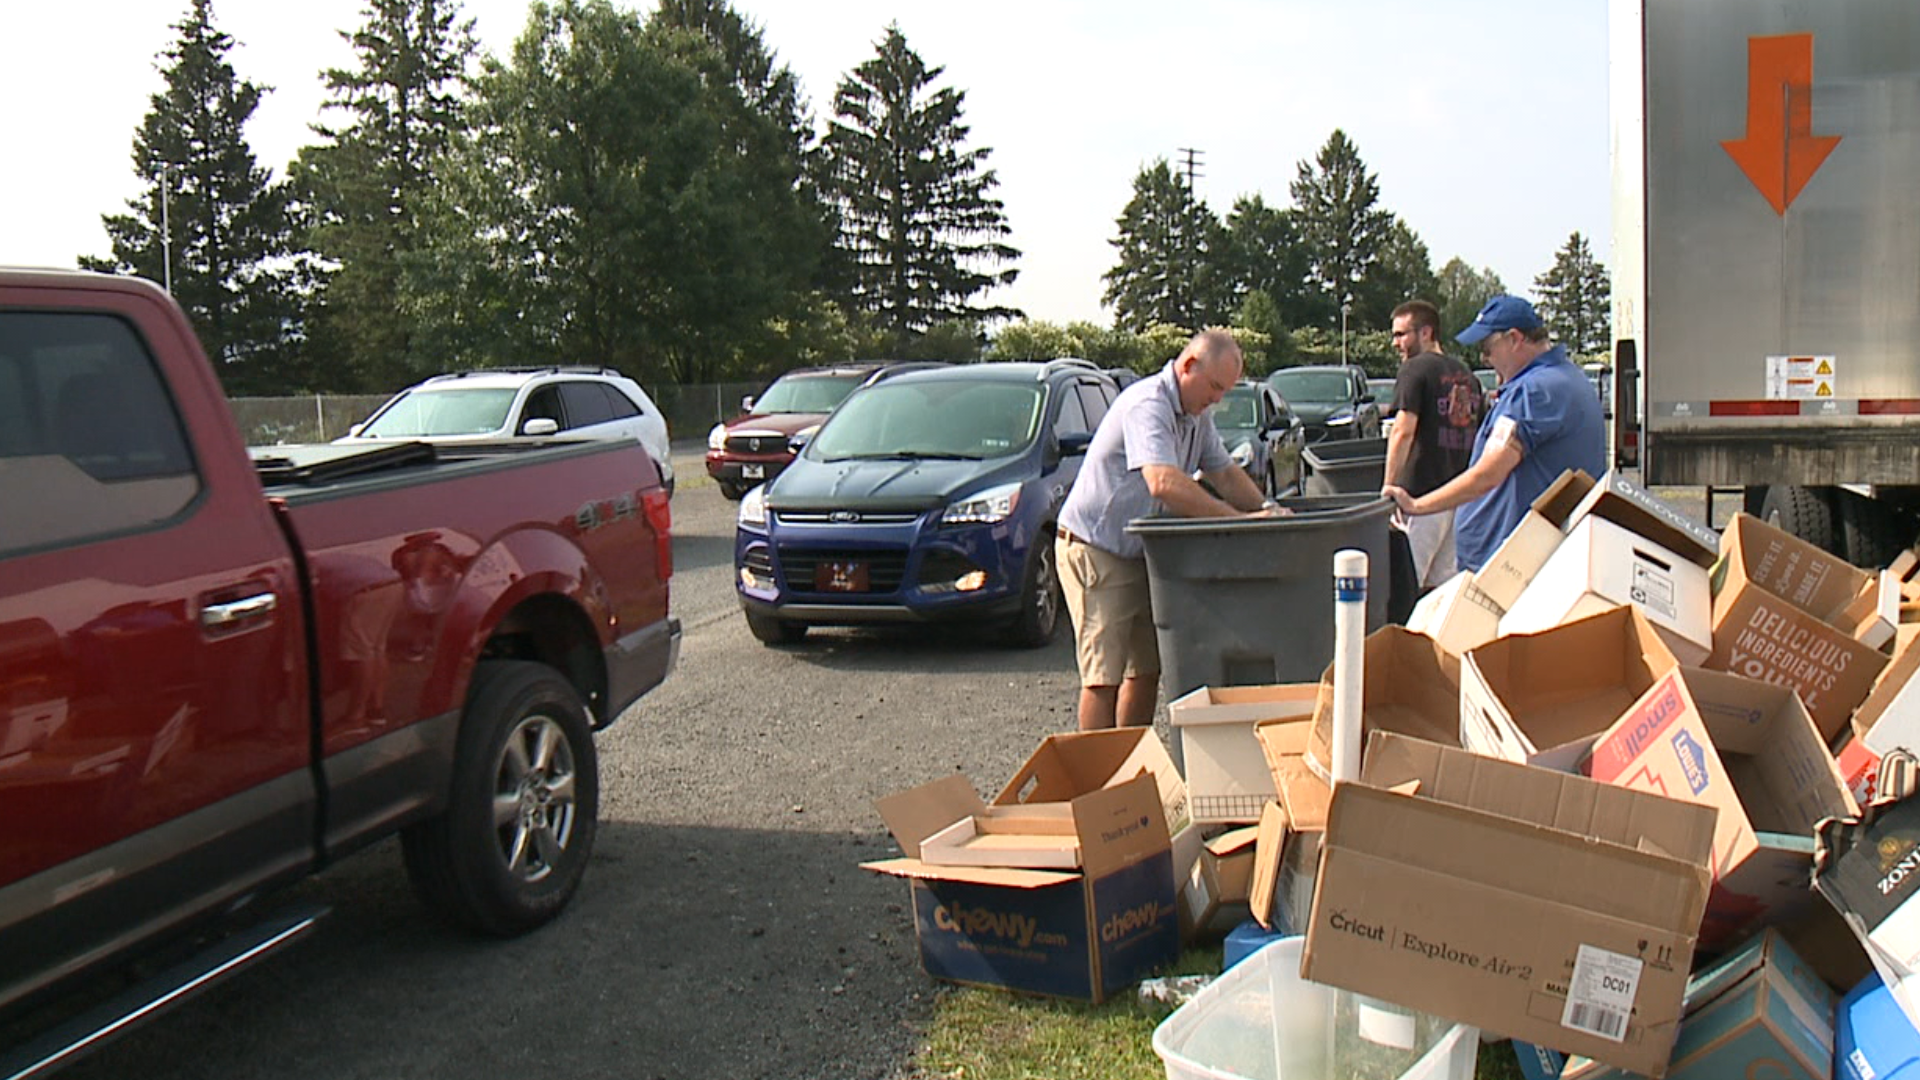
<point>1039,598</point>
<point>1805,512</point>
<point>509,851</point>
<point>771,631</point>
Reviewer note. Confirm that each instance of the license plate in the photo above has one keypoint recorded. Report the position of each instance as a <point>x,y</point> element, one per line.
<point>753,472</point>
<point>840,575</point>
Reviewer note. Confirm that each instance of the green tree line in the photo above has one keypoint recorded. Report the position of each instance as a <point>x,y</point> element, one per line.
<point>649,192</point>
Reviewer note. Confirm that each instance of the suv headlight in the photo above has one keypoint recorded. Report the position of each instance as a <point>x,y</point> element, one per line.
<point>717,438</point>
<point>1339,418</point>
<point>753,507</point>
<point>1242,455</point>
<point>983,508</point>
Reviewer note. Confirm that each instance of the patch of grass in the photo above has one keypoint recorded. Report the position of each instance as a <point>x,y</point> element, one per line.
<point>996,1035</point>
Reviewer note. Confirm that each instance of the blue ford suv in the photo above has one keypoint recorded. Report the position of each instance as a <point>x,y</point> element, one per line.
<point>928,496</point>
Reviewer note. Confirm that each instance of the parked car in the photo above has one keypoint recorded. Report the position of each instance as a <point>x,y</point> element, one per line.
<point>929,496</point>
<point>1383,397</point>
<point>1263,436</point>
<point>754,447</point>
<point>1490,382</point>
<point>1600,374</point>
<point>1332,400</point>
<point>497,404</point>
<point>223,672</point>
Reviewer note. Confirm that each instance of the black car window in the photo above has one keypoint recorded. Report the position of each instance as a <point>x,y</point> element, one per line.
<point>1073,417</point>
<point>619,405</point>
<point>1239,410</point>
<point>585,404</point>
<point>1318,386</point>
<point>968,418</point>
<point>1094,400</point>
<point>543,404</point>
<point>93,443</point>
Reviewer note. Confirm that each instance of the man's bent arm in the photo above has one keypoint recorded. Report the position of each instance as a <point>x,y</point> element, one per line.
<point>1406,423</point>
<point>1495,465</point>
<point>1182,494</point>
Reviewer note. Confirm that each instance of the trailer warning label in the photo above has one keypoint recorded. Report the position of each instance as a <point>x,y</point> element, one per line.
<point>1795,378</point>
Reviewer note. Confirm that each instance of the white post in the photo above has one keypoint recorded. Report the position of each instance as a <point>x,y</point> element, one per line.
<point>166,231</point>
<point>1349,660</point>
<point>320,417</point>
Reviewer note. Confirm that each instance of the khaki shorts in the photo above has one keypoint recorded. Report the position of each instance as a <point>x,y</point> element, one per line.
<point>1112,613</point>
<point>1431,538</point>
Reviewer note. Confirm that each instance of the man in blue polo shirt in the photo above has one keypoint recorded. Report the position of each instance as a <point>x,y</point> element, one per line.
<point>1546,421</point>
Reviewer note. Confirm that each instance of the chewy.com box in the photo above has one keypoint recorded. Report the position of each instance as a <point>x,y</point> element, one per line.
<point>1749,750</point>
<point>1781,614</point>
<point>1083,934</point>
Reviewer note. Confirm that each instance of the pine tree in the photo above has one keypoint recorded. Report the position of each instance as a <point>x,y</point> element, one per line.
<point>1575,298</point>
<point>363,185</point>
<point>1344,231</point>
<point>1402,272</point>
<point>1463,291</point>
<point>210,220</point>
<point>919,226</point>
<point>1169,243</point>
<point>1264,254</point>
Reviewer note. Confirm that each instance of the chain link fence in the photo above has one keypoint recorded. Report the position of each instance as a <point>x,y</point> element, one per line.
<point>269,421</point>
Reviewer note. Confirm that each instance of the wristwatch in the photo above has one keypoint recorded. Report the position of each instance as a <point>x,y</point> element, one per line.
<point>1269,505</point>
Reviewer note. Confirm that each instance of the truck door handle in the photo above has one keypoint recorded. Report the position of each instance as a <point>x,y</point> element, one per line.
<point>222,616</point>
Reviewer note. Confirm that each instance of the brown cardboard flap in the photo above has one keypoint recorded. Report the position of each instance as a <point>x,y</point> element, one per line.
<point>1234,839</point>
<point>1120,825</point>
<point>1270,844</point>
<point>1557,503</point>
<point>970,875</point>
<point>1821,584</point>
<point>913,815</point>
<point>1304,795</point>
<point>1067,766</point>
<point>1635,508</point>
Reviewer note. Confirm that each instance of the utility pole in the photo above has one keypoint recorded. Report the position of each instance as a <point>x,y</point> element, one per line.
<point>166,230</point>
<point>1190,164</point>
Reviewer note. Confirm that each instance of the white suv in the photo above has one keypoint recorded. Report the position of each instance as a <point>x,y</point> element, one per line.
<point>507,403</point>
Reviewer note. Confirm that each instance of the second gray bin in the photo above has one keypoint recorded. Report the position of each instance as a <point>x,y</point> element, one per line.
<point>1248,601</point>
<point>1345,467</point>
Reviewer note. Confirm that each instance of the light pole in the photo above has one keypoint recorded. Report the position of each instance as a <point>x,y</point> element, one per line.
<point>166,230</point>
<point>1343,330</point>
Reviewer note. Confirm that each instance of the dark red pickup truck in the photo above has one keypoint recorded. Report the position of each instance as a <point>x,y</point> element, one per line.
<point>221,671</point>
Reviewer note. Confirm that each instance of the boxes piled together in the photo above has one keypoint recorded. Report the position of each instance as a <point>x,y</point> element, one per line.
<point>1627,797</point>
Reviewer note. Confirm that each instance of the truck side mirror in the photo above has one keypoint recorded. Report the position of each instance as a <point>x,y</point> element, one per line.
<point>540,425</point>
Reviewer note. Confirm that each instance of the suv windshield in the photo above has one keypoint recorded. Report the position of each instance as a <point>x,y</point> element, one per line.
<point>806,393</point>
<point>1319,386</point>
<point>1238,411</point>
<point>467,410</point>
<point>932,418</point>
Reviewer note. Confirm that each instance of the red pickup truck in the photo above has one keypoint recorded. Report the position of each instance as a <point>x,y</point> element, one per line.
<point>221,670</point>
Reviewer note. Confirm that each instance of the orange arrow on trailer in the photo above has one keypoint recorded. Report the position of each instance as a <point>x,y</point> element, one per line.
<point>1780,152</point>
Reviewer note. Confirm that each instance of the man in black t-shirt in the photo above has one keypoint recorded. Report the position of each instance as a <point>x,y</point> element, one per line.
<point>1437,409</point>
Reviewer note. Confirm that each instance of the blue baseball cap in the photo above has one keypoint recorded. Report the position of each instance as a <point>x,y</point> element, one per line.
<point>1501,314</point>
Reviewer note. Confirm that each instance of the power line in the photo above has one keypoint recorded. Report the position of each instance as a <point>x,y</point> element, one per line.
<point>1190,164</point>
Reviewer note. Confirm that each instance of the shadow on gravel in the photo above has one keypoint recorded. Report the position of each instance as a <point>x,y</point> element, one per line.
<point>920,649</point>
<point>695,552</point>
<point>691,953</point>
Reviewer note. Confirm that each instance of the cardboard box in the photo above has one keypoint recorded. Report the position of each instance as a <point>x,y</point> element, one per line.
<point>1749,750</point>
<point>1270,846</point>
<point>1526,549</point>
<point>1627,504</point>
<point>1601,564</point>
<point>1227,780</point>
<point>1411,686</point>
<point>1546,906</point>
<point>1303,793</point>
<point>1039,837</point>
<point>1543,698</point>
<point>1778,603</point>
<point>1222,880</point>
<point>1889,718</point>
<point>1758,1012</point>
<point>1457,615</point>
<point>1066,766</point>
<point>1868,868</point>
<point>1078,934</point>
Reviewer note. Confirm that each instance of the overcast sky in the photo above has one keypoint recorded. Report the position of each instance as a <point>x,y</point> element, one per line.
<point>1485,121</point>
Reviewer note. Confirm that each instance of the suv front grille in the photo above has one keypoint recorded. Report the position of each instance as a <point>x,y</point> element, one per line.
<point>859,517</point>
<point>757,444</point>
<point>885,568</point>
<point>759,560</point>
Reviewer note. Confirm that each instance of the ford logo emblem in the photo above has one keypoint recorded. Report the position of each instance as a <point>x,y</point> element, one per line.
<point>843,517</point>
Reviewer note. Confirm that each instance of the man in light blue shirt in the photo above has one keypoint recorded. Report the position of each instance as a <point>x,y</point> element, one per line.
<point>1141,462</point>
<point>1545,421</point>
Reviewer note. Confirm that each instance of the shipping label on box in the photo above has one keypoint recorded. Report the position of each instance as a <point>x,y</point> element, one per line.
<point>1601,564</point>
<point>1526,549</point>
<point>1542,905</point>
<point>1543,698</point>
<point>1749,750</point>
<point>1758,1012</point>
<point>1774,605</point>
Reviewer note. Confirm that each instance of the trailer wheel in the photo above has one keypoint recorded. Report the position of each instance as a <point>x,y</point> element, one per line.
<point>509,850</point>
<point>1873,531</point>
<point>1805,512</point>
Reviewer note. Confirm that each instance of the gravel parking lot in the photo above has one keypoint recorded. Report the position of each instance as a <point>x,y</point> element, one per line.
<point>725,930</point>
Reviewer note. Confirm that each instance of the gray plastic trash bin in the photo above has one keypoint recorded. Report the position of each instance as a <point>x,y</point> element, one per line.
<point>1345,467</point>
<point>1246,601</point>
